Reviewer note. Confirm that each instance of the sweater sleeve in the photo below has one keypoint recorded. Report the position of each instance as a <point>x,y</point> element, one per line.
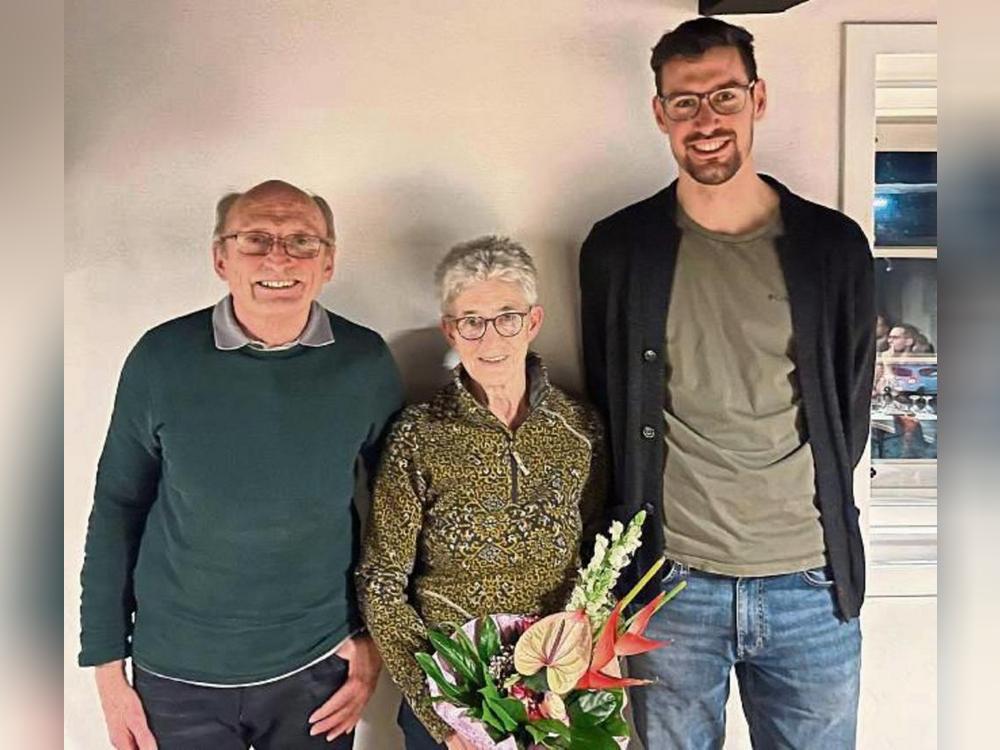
<point>386,392</point>
<point>127,476</point>
<point>387,400</point>
<point>387,562</point>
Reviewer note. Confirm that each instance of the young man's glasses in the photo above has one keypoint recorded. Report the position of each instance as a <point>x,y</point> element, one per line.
<point>728,100</point>
<point>260,243</point>
<point>473,327</point>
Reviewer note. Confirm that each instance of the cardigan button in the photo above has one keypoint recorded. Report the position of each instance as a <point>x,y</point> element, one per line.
<point>649,355</point>
<point>648,432</point>
<point>648,507</point>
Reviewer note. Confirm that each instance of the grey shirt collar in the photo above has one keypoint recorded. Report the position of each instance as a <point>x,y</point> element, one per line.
<point>229,335</point>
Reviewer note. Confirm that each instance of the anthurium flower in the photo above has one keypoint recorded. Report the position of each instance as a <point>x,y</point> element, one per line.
<point>561,644</point>
<point>553,707</point>
<point>611,645</point>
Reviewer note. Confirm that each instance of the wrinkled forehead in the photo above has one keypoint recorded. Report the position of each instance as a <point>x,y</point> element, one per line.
<point>719,66</point>
<point>277,207</point>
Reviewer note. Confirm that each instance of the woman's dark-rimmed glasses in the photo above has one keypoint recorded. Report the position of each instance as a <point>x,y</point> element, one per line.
<point>473,327</point>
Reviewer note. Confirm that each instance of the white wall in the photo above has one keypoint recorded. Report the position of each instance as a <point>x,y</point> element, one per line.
<point>425,122</point>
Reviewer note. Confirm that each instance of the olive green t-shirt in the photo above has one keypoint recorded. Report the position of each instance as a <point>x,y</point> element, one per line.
<point>739,485</point>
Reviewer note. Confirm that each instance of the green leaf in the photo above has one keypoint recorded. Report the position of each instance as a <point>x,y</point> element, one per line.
<point>536,734</point>
<point>619,694</point>
<point>489,640</point>
<point>490,718</point>
<point>507,722</point>
<point>591,738</point>
<point>456,657</point>
<point>489,690</point>
<point>615,725</point>
<point>591,707</point>
<point>536,682</point>
<point>453,692</point>
<point>469,649</point>
<point>515,709</point>
<point>551,726</point>
<point>545,739</point>
<point>462,639</point>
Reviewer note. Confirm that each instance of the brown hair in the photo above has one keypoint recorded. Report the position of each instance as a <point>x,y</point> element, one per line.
<point>694,38</point>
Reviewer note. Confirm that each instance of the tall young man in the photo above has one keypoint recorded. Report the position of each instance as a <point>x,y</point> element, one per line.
<point>728,333</point>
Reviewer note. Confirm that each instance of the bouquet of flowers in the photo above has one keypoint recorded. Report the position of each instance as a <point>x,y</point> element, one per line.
<point>517,682</point>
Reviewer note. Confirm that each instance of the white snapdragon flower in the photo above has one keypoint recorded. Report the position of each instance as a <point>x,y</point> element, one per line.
<point>592,592</point>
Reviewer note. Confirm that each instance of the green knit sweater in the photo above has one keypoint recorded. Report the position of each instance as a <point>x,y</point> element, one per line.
<point>223,515</point>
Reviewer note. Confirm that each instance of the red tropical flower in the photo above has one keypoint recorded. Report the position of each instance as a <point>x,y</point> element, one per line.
<point>611,645</point>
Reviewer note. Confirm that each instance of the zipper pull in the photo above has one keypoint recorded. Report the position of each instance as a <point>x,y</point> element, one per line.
<point>520,464</point>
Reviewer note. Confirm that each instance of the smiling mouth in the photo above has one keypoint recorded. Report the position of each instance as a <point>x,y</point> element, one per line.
<point>493,360</point>
<point>709,145</point>
<point>283,284</point>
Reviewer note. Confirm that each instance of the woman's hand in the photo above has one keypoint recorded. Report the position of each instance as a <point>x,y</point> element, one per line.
<point>454,742</point>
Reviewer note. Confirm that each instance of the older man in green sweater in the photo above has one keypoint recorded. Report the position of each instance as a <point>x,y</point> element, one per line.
<point>223,534</point>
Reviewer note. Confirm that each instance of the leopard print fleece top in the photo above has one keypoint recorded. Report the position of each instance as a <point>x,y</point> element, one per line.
<point>470,518</point>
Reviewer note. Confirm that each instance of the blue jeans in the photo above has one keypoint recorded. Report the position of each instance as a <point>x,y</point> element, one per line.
<point>797,663</point>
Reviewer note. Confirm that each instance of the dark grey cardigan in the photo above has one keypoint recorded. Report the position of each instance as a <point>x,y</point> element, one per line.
<point>626,274</point>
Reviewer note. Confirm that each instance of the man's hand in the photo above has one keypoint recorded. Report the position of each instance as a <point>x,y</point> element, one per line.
<point>454,742</point>
<point>123,714</point>
<point>342,712</point>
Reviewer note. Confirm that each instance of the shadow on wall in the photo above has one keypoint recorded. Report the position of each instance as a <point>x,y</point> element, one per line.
<point>422,216</point>
<point>420,354</point>
<point>559,293</point>
<point>427,213</point>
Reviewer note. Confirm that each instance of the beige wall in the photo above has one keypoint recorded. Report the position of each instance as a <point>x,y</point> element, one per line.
<point>424,122</point>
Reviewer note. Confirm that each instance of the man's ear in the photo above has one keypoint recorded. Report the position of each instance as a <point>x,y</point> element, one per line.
<point>219,260</point>
<point>329,262</point>
<point>659,115</point>
<point>759,99</point>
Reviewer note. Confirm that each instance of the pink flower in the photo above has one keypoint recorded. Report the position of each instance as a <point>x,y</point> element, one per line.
<point>519,691</point>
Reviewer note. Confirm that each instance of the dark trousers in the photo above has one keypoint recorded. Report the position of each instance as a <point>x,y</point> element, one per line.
<point>414,733</point>
<point>268,717</point>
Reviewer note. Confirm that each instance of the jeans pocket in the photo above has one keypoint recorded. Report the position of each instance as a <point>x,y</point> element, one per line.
<point>818,578</point>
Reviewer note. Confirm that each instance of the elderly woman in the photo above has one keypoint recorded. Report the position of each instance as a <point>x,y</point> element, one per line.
<point>484,492</point>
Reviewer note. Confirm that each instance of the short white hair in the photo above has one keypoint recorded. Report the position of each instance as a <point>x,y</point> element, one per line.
<point>482,259</point>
